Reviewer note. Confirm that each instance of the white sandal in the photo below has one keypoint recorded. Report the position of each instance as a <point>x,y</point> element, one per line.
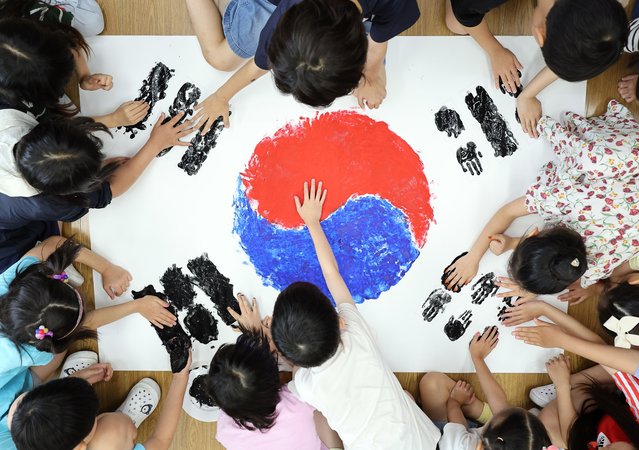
<point>142,400</point>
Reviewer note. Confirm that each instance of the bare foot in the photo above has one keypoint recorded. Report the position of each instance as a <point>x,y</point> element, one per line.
<point>627,87</point>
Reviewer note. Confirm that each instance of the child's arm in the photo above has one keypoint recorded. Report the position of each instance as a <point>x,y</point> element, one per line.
<point>559,371</point>
<point>454,412</point>
<point>528,107</point>
<point>372,89</point>
<point>167,423</point>
<point>150,307</point>
<point>310,210</point>
<point>217,104</point>
<point>462,271</point>
<point>480,348</point>
<point>128,113</point>
<point>162,136</point>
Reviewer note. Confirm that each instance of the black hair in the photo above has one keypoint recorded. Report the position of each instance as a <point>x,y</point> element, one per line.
<point>318,51</point>
<point>517,430</point>
<point>619,301</point>
<point>550,261</point>
<point>603,400</point>
<point>56,415</point>
<point>305,325</point>
<point>584,37</point>
<point>244,381</point>
<point>62,157</point>
<point>35,299</point>
<point>37,63</point>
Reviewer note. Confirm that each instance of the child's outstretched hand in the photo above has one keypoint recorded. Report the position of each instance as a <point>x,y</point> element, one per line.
<point>97,81</point>
<point>154,310</point>
<point>529,112</point>
<point>249,316</point>
<point>209,110</point>
<point>129,113</point>
<point>169,134</point>
<point>310,210</point>
<point>524,311</point>
<point>483,344</point>
<point>505,66</point>
<point>463,393</point>
<point>558,369</point>
<point>513,289</point>
<point>460,272</point>
<point>543,334</point>
<point>115,280</point>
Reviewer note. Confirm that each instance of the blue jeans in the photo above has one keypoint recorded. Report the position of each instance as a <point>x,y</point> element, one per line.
<point>243,22</point>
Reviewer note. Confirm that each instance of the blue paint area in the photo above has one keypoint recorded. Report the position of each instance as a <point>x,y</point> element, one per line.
<point>371,239</point>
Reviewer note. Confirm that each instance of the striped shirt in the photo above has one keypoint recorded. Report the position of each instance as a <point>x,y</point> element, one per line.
<point>633,37</point>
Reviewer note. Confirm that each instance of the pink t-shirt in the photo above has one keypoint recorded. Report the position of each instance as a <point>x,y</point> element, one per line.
<point>294,429</point>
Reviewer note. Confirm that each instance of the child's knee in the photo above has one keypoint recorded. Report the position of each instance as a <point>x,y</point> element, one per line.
<point>88,18</point>
<point>435,382</point>
<point>219,59</point>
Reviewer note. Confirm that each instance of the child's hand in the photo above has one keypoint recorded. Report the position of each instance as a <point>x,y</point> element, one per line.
<point>577,294</point>
<point>184,373</point>
<point>524,311</point>
<point>529,111</point>
<point>311,209</point>
<point>544,334</point>
<point>115,280</point>
<point>249,316</point>
<point>154,310</point>
<point>505,66</point>
<point>371,91</point>
<point>209,110</point>
<point>558,369</point>
<point>97,81</point>
<point>169,134</point>
<point>483,344</point>
<point>463,393</point>
<point>95,373</point>
<point>129,113</point>
<point>514,290</point>
<point>460,272</point>
<point>501,243</point>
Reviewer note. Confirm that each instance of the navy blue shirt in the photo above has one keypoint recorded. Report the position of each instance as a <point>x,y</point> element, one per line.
<point>470,13</point>
<point>388,19</point>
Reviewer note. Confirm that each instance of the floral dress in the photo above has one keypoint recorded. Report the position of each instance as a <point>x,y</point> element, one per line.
<point>593,186</point>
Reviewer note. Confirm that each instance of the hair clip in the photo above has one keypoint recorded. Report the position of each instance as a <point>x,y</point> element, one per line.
<point>62,276</point>
<point>575,262</point>
<point>550,447</point>
<point>622,328</point>
<point>41,332</point>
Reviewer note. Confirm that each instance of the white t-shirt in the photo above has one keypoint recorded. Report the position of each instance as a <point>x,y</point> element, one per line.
<point>14,125</point>
<point>457,437</point>
<point>360,396</point>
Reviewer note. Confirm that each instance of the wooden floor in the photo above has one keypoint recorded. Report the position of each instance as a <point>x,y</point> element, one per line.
<point>169,17</point>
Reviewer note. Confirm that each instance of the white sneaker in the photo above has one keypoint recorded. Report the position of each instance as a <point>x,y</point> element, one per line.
<point>75,278</point>
<point>542,395</point>
<point>78,361</point>
<point>142,400</point>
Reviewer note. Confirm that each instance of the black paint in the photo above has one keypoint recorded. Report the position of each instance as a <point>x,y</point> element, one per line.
<point>152,91</point>
<point>215,285</point>
<point>483,288</point>
<point>200,146</point>
<point>178,287</point>
<point>455,328</point>
<point>435,304</point>
<point>520,87</point>
<point>174,339</point>
<point>468,159</point>
<point>199,391</point>
<point>492,122</point>
<point>448,121</point>
<point>507,302</point>
<point>448,271</point>
<point>185,100</point>
<point>201,324</point>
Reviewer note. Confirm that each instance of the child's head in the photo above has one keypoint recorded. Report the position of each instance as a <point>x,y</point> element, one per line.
<point>318,51</point>
<point>514,429</point>
<point>36,299</point>
<point>549,261</point>
<point>584,37</point>
<point>305,325</point>
<point>244,381</point>
<point>63,157</point>
<point>57,415</point>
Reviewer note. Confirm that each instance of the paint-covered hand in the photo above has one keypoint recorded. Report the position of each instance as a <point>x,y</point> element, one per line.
<point>310,208</point>
<point>558,369</point>
<point>524,311</point>
<point>154,309</point>
<point>460,272</point>
<point>506,68</point>
<point>482,344</point>
<point>529,113</point>
<point>577,294</point>
<point>249,317</point>
<point>115,280</point>
<point>184,373</point>
<point>371,91</point>
<point>463,393</point>
<point>209,110</point>
<point>97,81</point>
<point>129,113</point>
<point>95,373</point>
<point>168,134</point>
<point>543,334</point>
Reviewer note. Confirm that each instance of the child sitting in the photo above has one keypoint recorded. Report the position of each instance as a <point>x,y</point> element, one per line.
<point>339,368</point>
<point>317,49</point>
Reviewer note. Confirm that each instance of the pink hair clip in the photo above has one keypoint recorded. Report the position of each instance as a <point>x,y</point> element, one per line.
<point>41,332</point>
<point>552,447</point>
<point>62,276</point>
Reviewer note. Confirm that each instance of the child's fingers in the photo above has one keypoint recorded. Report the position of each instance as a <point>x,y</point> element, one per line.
<point>298,205</point>
<point>360,101</point>
<point>226,119</point>
<point>323,198</point>
<point>312,189</point>
<point>306,197</point>
<point>318,194</point>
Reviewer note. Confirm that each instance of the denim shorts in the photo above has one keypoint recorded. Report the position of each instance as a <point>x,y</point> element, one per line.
<point>243,22</point>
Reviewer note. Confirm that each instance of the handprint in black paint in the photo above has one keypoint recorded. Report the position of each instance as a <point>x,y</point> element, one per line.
<point>515,94</point>
<point>455,328</point>
<point>178,287</point>
<point>483,288</point>
<point>435,303</point>
<point>506,302</point>
<point>448,121</point>
<point>200,146</point>
<point>448,272</point>
<point>468,159</point>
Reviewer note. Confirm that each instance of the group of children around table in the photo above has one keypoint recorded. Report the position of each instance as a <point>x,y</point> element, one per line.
<point>343,394</point>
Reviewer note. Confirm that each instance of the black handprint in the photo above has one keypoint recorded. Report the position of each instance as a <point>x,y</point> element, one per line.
<point>507,302</point>
<point>520,87</point>
<point>468,159</point>
<point>435,303</point>
<point>448,271</point>
<point>455,328</point>
<point>483,288</point>
<point>178,287</point>
<point>448,120</point>
<point>492,122</point>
